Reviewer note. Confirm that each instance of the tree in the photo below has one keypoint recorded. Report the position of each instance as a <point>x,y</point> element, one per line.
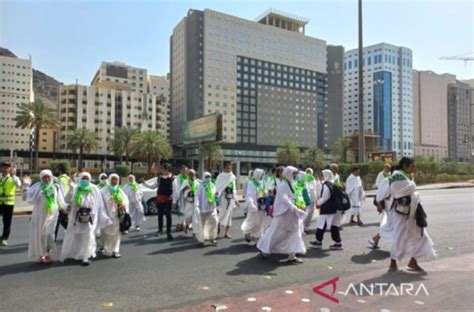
<point>339,149</point>
<point>83,140</point>
<point>151,146</point>
<point>314,158</point>
<point>36,115</point>
<point>121,142</point>
<point>212,152</point>
<point>288,153</point>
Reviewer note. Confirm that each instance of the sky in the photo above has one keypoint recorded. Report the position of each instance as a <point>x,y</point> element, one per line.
<point>68,39</point>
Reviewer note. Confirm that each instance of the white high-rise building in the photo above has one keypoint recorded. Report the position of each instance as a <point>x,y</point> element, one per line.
<point>16,87</point>
<point>388,96</point>
<point>160,86</point>
<point>119,75</point>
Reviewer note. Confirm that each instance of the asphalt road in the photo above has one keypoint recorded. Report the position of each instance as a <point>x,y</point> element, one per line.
<point>154,273</point>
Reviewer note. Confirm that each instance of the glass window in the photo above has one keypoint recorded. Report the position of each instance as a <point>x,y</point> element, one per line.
<point>369,60</point>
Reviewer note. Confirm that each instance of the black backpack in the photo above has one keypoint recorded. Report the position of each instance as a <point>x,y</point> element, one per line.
<point>343,200</point>
<point>125,221</point>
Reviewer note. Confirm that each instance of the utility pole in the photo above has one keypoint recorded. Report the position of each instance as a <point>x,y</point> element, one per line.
<point>361,157</point>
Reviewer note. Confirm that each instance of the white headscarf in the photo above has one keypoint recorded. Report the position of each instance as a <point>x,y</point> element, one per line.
<point>114,175</point>
<point>328,175</point>
<point>102,175</point>
<point>288,173</point>
<point>131,176</point>
<point>301,175</point>
<point>309,171</point>
<point>206,174</point>
<point>257,174</point>
<point>45,173</point>
<point>84,174</point>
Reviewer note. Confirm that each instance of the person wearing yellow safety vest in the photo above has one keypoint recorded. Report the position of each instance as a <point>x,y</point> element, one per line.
<point>8,184</point>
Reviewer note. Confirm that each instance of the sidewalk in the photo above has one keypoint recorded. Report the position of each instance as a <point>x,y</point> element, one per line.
<point>23,208</point>
<point>447,286</point>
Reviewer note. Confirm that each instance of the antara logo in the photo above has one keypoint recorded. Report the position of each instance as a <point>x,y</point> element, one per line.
<point>372,289</point>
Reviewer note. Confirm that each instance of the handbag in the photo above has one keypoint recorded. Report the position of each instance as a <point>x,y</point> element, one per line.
<point>83,215</point>
<point>421,217</point>
<point>125,221</point>
<point>229,193</point>
<point>402,205</point>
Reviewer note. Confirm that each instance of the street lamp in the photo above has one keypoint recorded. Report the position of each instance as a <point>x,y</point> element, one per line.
<point>361,90</point>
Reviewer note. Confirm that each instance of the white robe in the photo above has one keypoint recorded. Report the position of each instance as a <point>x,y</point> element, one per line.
<point>226,206</point>
<point>386,226</point>
<point>407,238</point>
<point>188,204</point>
<point>43,223</point>
<point>180,199</point>
<point>312,188</point>
<point>79,241</point>
<point>329,220</point>
<point>111,235</point>
<point>137,213</point>
<point>284,234</point>
<point>207,220</point>
<point>254,221</point>
<point>355,190</point>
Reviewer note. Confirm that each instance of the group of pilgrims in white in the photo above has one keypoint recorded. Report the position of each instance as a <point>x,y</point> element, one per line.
<point>280,208</point>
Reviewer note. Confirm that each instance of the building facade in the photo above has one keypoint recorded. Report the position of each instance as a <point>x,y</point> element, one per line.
<point>16,87</point>
<point>471,83</point>
<point>430,113</point>
<point>388,96</point>
<point>459,121</point>
<point>332,128</point>
<point>102,110</point>
<point>159,86</point>
<point>120,76</point>
<point>266,77</point>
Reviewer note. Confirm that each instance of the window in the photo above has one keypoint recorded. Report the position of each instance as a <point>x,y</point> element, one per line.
<point>369,60</point>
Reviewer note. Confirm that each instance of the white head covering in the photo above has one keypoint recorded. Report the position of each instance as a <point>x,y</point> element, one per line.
<point>309,171</point>
<point>192,170</point>
<point>114,175</point>
<point>102,175</point>
<point>85,174</point>
<point>328,175</point>
<point>45,173</point>
<point>207,174</point>
<point>131,176</point>
<point>288,173</point>
<point>258,174</point>
<point>301,175</point>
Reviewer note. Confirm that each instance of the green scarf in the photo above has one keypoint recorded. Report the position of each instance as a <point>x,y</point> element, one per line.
<point>116,194</point>
<point>134,186</point>
<point>182,178</point>
<point>298,193</point>
<point>80,194</point>
<point>231,185</point>
<point>337,181</point>
<point>192,183</point>
<point>386,174</point>
<point>50,195</point>
<point>406,174</point>
<point>209,192</point>
<point>309,178</point>
<point>260,190</point>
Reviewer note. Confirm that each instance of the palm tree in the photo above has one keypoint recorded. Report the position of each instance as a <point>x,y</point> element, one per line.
<point>212,152</point>
<point>149,146</point>
<point>36,115</point>
<point>288,153</point>
<point>121,142</point>
<point>314,158</point>
<point>340,148</point>
<point>83,140</point>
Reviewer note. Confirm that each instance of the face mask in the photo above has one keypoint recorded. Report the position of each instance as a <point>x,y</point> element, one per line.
<point>207,179</point>
<point>113,188</point>
<point>84,183</point>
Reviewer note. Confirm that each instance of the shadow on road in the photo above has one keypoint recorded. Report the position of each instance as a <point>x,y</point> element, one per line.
<point>257,265</point>
<point>192,244</point>
<point>233,250</point>
<point>373,254</point>
<point>14,249</point>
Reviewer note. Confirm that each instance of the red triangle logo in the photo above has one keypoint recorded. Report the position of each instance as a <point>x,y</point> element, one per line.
<point>333,282</point>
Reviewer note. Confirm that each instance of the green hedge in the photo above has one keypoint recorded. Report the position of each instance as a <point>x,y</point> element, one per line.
<point>66,163</point>
<point>122,170</point>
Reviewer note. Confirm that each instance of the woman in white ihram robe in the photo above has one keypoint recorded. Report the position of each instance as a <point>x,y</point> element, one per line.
<point>134,195</point>
<point>188,199</point>
<point>79,241</point>
<point>284,234</point>
<point>111,236</point>
<point>226,205</point>
<point>207,219</point>
<point>409,240</point>
<point>43,220</point>
<point>254,221</point>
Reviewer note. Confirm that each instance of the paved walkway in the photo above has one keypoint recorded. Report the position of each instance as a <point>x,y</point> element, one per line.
<point>447,285</point>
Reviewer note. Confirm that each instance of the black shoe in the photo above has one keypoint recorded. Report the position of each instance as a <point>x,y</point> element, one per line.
<point>158,233</point>
<point>336,246</point>
<point>316,244</point>
<point>214,242</point>
<point>170,237</point>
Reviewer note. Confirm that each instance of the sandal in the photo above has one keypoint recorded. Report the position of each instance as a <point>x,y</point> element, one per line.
<point>415,269</point>
<point>47,260</point>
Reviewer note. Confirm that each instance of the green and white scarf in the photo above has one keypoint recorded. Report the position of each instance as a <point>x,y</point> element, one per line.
<point>49,193</point>
<point>80,194</point>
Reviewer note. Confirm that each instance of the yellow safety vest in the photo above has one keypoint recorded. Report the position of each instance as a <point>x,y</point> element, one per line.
<point>7,191</point>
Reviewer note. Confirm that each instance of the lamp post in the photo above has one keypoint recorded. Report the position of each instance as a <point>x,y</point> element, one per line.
<point>361,157</point>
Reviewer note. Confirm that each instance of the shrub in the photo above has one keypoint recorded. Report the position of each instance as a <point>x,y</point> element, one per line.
<point>122,170</point>
<point>66,163</point>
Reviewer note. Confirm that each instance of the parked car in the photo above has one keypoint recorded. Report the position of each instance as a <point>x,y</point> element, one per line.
<point>149,198</point>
